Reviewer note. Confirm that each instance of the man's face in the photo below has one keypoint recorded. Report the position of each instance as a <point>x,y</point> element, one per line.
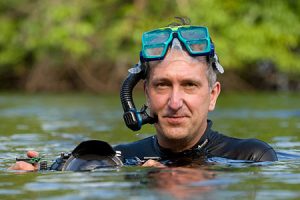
<point>178,93</point>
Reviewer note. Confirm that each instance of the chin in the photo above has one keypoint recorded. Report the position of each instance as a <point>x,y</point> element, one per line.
<point>175,133</point>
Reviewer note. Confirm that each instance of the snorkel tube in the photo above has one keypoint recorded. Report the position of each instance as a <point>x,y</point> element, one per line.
<point>133,118</point>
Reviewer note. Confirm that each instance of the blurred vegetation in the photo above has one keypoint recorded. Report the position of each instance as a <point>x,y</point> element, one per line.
<point>62,45</point>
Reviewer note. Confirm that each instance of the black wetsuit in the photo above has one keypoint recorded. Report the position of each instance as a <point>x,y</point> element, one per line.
<point>211,144</point>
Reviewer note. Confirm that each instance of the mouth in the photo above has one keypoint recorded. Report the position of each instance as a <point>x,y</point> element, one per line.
<point>175,120</point>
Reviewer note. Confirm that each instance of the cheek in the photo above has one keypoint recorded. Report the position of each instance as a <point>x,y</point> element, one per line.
<point>157,101</point>
<point>198,102</point>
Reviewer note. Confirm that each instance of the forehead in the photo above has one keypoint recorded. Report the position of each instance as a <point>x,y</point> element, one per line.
<point>179,72</point>
<point>180,64</point>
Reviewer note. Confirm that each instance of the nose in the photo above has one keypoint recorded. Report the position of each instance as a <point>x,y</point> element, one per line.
<point>176,100</point>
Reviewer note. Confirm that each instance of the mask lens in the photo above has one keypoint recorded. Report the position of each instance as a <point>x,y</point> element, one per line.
<point>196,39</point>
<point>156,37</point>
<point>198,46</point>
<point>154,51</point>
<point>155,43</point>
<point>193,33</point>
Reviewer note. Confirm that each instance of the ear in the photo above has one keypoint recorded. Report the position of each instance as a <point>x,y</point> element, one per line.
<point>214,94</point>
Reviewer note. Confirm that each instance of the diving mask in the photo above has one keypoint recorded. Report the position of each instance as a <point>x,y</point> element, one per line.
<point>194,40</point>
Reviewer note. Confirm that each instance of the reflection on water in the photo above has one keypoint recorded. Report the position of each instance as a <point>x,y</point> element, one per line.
<point>181,182</point>
<point>54,123</point>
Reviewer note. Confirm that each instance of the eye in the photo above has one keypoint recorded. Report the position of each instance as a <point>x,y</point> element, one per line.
<point>161,85</point>
<point>190,85</point>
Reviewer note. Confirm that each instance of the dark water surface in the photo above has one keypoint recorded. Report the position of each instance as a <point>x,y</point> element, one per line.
<point>51,124</point>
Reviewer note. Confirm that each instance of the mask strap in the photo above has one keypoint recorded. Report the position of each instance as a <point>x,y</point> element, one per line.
<point>217,65</point>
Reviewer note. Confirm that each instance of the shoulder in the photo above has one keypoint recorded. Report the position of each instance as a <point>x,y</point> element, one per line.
<point>141,148</point>
<point>241,149</point>
<point>257,150</point>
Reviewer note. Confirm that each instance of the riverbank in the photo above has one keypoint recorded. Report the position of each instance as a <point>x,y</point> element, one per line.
<point>50,79</point>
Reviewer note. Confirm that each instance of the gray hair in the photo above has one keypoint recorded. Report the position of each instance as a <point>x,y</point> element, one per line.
<point>211,75</point>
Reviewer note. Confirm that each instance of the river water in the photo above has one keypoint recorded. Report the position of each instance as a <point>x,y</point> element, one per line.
<point>52,124</point>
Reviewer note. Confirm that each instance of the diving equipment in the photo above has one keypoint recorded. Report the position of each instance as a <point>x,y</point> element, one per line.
<point>90,155</point>
<point>133,118</point>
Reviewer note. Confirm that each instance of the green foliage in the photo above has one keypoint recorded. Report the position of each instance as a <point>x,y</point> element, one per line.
<point>245,32</point>
<point>109,31</point>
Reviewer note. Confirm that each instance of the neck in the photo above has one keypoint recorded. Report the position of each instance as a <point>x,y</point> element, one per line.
<point>176,146</point>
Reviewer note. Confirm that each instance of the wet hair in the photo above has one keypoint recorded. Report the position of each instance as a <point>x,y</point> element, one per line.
<point>211,74</point>
<point>180,22</point>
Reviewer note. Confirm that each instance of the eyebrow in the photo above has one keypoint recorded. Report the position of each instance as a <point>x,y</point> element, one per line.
<point>183,80</point>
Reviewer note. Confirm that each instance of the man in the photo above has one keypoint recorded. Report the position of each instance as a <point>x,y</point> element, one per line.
<point>181,89</point>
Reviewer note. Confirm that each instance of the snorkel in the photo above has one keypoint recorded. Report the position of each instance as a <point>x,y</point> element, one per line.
<point>133,118</point>
<point>194,40</point>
